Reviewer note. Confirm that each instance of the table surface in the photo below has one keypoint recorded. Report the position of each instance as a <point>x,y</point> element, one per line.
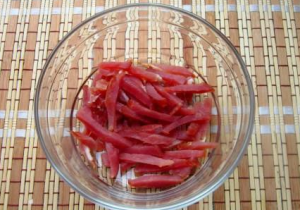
<point>267,34</point>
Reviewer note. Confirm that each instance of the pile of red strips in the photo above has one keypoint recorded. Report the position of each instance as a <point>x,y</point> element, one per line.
<point>141,117</point>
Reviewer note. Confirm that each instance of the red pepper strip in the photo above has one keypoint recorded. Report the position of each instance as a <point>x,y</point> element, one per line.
<point>116,65</point>
<point>150,128</point>
<point>183,136</point>
<point>172,99</point>
<point>154,139</point>
<point>196,145</point>
<point>136,107</point>
<point>174,69</point>
<point>182,172</point>
<point>88,141</point>
<point>184,154</point>
<point>105,160</point>
<point>199,117</point>
<point>125,110</point>
<point>144,149</point>
<point>106,73</point>
<point>131,87</point>
<point>171,79</point>
<point>195,127</point>
<point>112,154</point>
<point>192,88</point>
<point>186,111</point>
<point>144,75</point>
<point>178,163</point>
<point>86,96</point>
<point>123,97</point>
<point>202,130</point>
<point>97,76</point>
<point>172,145</point>
<point>85,116</point>
<point>111,100</point>
<point>155,181</point>
<point>101,85</point>
<point>147,159</point>
<point>125,166</point>
<point>155,95</point>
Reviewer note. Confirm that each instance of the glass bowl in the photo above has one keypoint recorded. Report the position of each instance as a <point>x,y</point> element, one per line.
<point>153,34</point>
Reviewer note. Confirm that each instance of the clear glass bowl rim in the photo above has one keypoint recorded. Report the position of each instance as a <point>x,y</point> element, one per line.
<point>204,192</point>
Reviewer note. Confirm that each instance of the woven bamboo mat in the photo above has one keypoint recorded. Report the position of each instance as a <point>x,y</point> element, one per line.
<point>266,33</point>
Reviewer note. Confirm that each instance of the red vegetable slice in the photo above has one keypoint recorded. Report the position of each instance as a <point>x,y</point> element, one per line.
<point>155,95</point>
<point>144,149</point>
<point>111,100</point>
<point>105,160</point>
<point>150,113</point>
<point>187,111</point>
<point>150,128</point>
<point>86,96</point>
<point>148,138</point>
<point>125,110</point>
<point>178,163</point>
<point>85,116</point>
<point>184,154</point>
<point>116,65</point>
<point>113,158</point>
<point>197,145</point>
<point>172,99</point>
<point>131,87</point>
<point>191,88</point>
<point>88,141</point>
<point>168,78</point>
<point>184,173</point>
<point>125,166</point>
<point>104,73</point>
<point>173,69</point>
<point>184,120</point>
<point>147,159</point>
<point>151,181</point>
<point>123,97</point>
<point>202,130</point>
<point>145,75</point>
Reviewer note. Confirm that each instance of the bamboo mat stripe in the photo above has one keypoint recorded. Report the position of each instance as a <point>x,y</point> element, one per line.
<point>208,8</point>
<point>266,33</point>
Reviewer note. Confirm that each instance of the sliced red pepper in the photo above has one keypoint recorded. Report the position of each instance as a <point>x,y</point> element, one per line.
<point>105,160</point>
<point>123,97</point>
<point>131,87</point>
<point>97,76</point>
<point>144,75</point>
<point>155,180</point>
<point>125,110</point>
<point>184,120</point>
<point>105,73</point>
<point>173,69</point>
<point>86,95</point>
<point>192,88</point>
<point>116,65</point>
<point>88,141</point>
<point>202,130</point>
<point>136,107</point>
<point>187,111</point>
<point>168,78</point>
<point>100,87</point>
<point>111,100</point>
<point>150,128</point>
<point>178,163</point>
<point>113,157</point>
<point>146,159</point>
<point>85,116</point>
<point>172,99</point>
<point>155,95</point>
<point>193,129</point>
<point>197,145</point>
<point>184,154</point>
<point>144,149</point>
<point>125,166</point>
<point>184,173</point>
<point>154,139</point>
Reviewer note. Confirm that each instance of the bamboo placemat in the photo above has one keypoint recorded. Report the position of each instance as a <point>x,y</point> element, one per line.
<point>266,33</point>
